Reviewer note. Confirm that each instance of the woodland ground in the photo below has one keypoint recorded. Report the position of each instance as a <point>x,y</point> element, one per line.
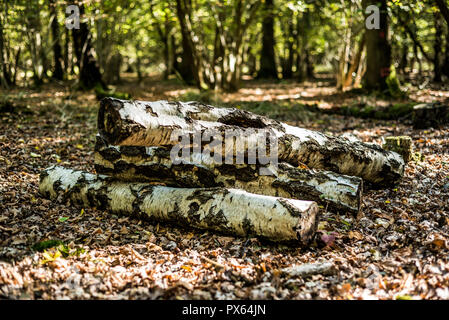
<point>398,250</point>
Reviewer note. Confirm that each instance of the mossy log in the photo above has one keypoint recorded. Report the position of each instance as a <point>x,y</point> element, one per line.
<point>231,211</point>
<point>336,192</point>
<point>428,115</point>
<point>401,144</point>
<point>391,112</point>
<point>138,123</point>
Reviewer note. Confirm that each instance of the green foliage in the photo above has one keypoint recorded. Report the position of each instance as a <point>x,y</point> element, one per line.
<point>47,244</point>
<point>147,35</point>
<point>53,249</point>
<point>205,96</point>
<point>392,112</point>
<point>394,86</point>
<point>401,144</point>
<point>100,93</point>
<point>280,111</point>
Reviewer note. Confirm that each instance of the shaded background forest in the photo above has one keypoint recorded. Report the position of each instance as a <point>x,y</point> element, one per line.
<point>217,44</point>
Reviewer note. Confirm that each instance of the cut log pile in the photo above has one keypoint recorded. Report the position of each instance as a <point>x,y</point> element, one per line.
<point>137,174</point>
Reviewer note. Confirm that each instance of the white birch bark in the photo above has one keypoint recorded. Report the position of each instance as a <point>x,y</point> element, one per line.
<point>225,210</point>
<point>139,123</point>
<point>333,191</point>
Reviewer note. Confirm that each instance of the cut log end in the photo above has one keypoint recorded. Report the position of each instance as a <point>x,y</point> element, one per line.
<point>110,122</point>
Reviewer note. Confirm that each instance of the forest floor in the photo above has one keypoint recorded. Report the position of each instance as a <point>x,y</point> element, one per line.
<point>398,250</point>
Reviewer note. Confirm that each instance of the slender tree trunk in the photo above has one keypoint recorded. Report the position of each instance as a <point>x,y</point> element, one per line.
<point>310,73</point>
<point>444,9</point>
<point>437,47</point>
<point>164,37</point>
<point>66,50</point>
<point>304,61</point>
<point>378,50</point>
<point>189,68</point>
<point>349,80</point>
<point>89,71</point>
<point>404,58</point>
<point>16,65</point>
<point>217,59</point>
<point>138,64</point>
<point>287,66</point>
<point>267,56</point>
<point>57,51</point>
<point>417,58</point>
<point>112,72</point>
<point>343,62</point>
<point>445,68</point>
<point>299,54</point>
<point>4,76</point>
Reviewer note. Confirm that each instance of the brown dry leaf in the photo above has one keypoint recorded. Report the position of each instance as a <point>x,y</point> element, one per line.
<point>124,230</point>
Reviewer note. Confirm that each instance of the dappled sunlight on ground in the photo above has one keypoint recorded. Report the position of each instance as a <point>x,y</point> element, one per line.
<point>397,250</point>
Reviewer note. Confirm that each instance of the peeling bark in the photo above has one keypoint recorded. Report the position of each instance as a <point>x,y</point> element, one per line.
<point>336,192</point>
<point>225,210</point>
<point>139,123</point>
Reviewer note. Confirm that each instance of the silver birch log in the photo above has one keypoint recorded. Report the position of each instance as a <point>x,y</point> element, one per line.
<point>139,123</point>
<point>231,211</point>
<point>335,192</point>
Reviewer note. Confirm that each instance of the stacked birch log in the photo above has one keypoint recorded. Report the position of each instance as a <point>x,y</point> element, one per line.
<point>137,174</point>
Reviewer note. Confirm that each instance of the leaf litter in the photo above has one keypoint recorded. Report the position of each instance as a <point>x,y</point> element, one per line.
<point>397,250</point>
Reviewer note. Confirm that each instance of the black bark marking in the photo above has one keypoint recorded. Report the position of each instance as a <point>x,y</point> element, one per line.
<point>294,212</point>
<point>248,227</point>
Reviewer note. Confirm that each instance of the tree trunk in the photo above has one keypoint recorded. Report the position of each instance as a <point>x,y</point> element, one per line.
<point>67,67</point>
<point>34,41</point>
<point>89,72</point>
<point>430,115</point>
<point>349,80</point>
<point>57,51</point>
<point>5,80</point>
<point>267,56</point>
<point>112,72</point>
<point>378,50</point>
<point>189,68</point>
<point>345,50</point>
<point>404,58</point>
<point>304,63</point>
<point>443,9</point>
<point>337,192</point>
<point>225,210</point>
<point>445,69</point>
<point>287,65</point>
<point>16,66</point>
<point>437,47</point>
<point>445,13</point>
<point>299,56</point>
<point>152,124</point>
<point>310,73</point>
